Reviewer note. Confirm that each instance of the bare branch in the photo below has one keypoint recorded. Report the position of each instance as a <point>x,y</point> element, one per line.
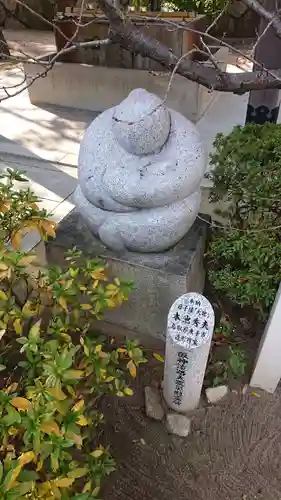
<point>130,37</point>
<point>212,58</point>
<point>42,18</point>
<point>260,37</point>
<point>80,45</point>
<point>269,16</point>
<point>220,14</point>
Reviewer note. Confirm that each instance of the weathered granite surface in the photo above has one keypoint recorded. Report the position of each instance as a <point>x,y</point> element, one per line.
<point>159,278</point>
<point>140,167</point>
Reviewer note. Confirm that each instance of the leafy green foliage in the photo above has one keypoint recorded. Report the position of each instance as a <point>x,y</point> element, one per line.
<point>245,257</point>
<point>232,367</point>
<point>19,211</point>
<point>225,328</point>
<point>209,7</point>
<point>49,416</point>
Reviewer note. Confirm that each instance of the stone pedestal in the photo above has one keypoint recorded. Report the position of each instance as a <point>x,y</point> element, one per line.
<point>159,279</point>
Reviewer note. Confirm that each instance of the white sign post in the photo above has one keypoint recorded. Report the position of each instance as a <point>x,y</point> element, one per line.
<point>189,333</point>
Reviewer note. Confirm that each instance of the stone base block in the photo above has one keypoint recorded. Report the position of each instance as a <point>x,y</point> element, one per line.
<point>159,279</point>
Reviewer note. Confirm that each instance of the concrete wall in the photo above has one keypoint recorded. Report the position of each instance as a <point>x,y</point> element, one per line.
<point>98,88</point>
<point>24,17</point>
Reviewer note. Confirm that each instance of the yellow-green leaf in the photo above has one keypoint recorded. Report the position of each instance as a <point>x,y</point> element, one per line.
<point>26,260</point>
<point>158,357</point>
<point>65,337</point>
<point>64,482</point>
<point>111,303</point>
<point>57,393</point>
<point>18,326</point>
<point>98,274</point>
<point>74,374</point>
<point>20,403</point>
<point>256,394</point>
<point>120,394</point>
<point>43,488</point>
<point>16,240</point>
<point>27,457</point>
<point>71,391</point>
<point>128,391</point>
<point>14,476</point>
<point>54,462</point>
<point>87,487</point>
<point>86,350</point>
<point>96,491</point>
<point>76,438</point>
<point>82,421</point>
<point>34,331</point>
<point>51,427</point>
<point>29,309</point>
<point>98,348</point>
<point>62,303</point>
<point>78,406</point>
<point>76,473</point>
<point>85,307</point>
<point>48,227</point>
<point>132,368</point>
<point>40,464</point>
<point>68,284</point>
<point>12,388</point>
<point>3,295</point>
<point>97,453</point>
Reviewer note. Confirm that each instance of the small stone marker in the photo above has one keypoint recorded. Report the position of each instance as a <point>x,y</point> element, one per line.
<point>189,333</point>
<point>215,394</point>
<point>153,403</point>
<point>178,424</point>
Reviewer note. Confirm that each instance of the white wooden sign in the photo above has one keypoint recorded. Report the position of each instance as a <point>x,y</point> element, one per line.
<point>189,333</point>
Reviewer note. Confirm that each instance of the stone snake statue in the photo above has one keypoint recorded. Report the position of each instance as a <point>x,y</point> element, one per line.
<point>140,166</point>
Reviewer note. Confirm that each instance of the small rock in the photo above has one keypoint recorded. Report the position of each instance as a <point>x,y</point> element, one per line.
<point>245,389</point>
<point>153,404</point>
<point>215,394</point>
<point>162,384</point>
<point>178,424</point>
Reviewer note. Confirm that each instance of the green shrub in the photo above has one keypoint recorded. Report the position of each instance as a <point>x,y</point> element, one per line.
<point>245,256</point>
<point>209,7</point>
<point>49,417</point>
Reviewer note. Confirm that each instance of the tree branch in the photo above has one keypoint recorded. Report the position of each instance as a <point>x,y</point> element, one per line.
<point>125,32</point>
<point>269,16</point>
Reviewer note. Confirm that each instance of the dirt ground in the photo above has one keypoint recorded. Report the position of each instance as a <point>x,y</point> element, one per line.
<point>233,451</point>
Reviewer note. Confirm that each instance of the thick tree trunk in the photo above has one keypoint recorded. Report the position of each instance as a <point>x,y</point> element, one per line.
<point>263,105</point>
